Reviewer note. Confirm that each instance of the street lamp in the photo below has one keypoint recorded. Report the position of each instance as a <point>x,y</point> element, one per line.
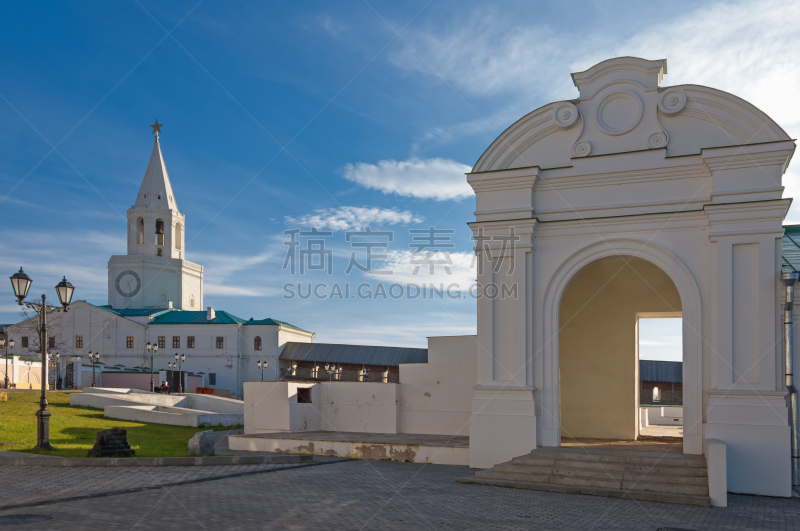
<point>331,370</point>
<point>180,358</point>
<point>94,358</point>
<point>3,345</point>
<point>262,366</point>
<point>54,361</point>
<point>21,284</point>
<point>151,349</point>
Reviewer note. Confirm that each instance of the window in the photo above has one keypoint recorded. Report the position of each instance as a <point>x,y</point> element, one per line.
<point>212,378</point>
<point>191,302</point>
<point>51,342</point>
<point>176,341</point>
<point>24,341</point>
<point>656,395</point>
<point>220,342</point>
<point>315,372</point>
<point>140,228</point>
<point>161,342</point>
<point>78,341</point>
<point>257,343</point>
<point>160,252</point>
<point>190,342</point>
<point>304,395</point>
<point>129,342</point>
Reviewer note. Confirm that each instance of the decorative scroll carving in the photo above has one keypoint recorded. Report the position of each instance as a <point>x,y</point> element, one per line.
<point>672,100</point>
<point>565,114</point>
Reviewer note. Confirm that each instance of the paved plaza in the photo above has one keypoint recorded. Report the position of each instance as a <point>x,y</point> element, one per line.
<point>341,494</point>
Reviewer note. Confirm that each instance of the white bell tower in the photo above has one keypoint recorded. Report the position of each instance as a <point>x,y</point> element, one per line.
<point>154,272</point>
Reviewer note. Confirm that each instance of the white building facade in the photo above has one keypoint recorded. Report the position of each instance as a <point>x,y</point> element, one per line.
<point>676,189</point>
<point>156,296</point>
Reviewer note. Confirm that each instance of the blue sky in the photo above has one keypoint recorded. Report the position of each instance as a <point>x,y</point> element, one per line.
<point>342,115</point>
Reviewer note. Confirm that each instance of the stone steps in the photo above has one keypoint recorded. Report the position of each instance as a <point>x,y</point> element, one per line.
<point>649,476</point>
<point>662,497</point>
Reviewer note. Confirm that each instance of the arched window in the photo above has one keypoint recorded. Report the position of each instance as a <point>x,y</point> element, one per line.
<point>178,233</point>
<point>140,231</point>
<point>656,395</point>
<point>159,232</point>
<point>257,343</point>
<point>191,302</point>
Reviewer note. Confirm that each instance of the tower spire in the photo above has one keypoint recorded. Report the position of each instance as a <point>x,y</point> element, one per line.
<point>156,190</point>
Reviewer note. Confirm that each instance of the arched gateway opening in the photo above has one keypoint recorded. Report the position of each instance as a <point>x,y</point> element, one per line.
<point>598,342</point>
<point>646,263</point>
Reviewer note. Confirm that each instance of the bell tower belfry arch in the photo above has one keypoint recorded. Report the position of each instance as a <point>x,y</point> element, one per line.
<point>155,262</point>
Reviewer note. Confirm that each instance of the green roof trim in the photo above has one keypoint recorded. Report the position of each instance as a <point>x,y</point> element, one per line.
<point>274,322</point>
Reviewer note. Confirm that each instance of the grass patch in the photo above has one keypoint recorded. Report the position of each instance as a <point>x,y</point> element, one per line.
<point>73,430</point>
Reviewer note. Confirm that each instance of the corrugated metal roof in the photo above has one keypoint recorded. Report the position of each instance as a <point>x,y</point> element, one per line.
<point>660,371</point>
<point>356,354</point>
<point>790,249</point>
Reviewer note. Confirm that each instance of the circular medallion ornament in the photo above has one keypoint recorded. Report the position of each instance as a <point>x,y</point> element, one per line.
<point>128,283</point>
<point>565,114</point>
<point>582,149</point>
<point>619,112</point>
<point>657,140</point>
<point>672,100</point>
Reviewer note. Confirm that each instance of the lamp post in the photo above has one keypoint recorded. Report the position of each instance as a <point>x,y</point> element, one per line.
<point>180,358</point>
<point>262,366</point>
<point>331,369</point>
<point>21,284</point>
<point>54,361</point>
<point>94,358</point>
<point>151,349</point>
<point>10,345</point>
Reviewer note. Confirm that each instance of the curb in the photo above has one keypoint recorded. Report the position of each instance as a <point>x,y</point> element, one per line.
<point>50,461</point>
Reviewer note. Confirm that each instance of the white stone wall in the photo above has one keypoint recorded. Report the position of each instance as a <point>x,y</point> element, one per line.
<point>436,397</point>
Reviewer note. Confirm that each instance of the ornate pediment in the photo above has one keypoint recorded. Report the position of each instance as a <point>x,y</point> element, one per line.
<point>622,108</point>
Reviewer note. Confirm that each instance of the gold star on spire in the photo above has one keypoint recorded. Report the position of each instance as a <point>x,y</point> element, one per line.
<point>157,127</point>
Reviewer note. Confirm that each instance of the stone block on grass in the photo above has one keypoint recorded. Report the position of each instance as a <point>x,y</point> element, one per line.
<point>202,443</point>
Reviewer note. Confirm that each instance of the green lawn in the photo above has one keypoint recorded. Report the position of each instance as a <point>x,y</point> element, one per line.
<point>73,430</point>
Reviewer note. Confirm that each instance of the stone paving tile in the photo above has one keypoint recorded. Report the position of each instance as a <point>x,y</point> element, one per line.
<point>32,484</point>
<point>382,495</point>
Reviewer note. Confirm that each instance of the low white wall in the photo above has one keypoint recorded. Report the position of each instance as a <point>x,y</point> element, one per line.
<point>364,407</point>
<point>436,397</point>
<point>433,398</point>
<point>100,398</point>
<point>660,416</point>
<point>172,416</point>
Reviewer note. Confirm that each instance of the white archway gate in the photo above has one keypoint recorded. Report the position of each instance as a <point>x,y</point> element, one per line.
<point>688,178</point>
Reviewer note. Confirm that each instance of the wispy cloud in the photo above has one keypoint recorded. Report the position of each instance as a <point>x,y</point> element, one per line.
<point>349,218</point>
<point>438,179</point>
<point>742,47</point>
<point>457,269</point>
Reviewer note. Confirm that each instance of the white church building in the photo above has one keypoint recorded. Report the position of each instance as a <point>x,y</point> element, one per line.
<point>155,296</point>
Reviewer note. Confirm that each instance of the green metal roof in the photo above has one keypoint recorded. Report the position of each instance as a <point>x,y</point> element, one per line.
<point>274,322</point>
<point>175,317</point>
<point>134,312</point>
<point>790,249</point>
